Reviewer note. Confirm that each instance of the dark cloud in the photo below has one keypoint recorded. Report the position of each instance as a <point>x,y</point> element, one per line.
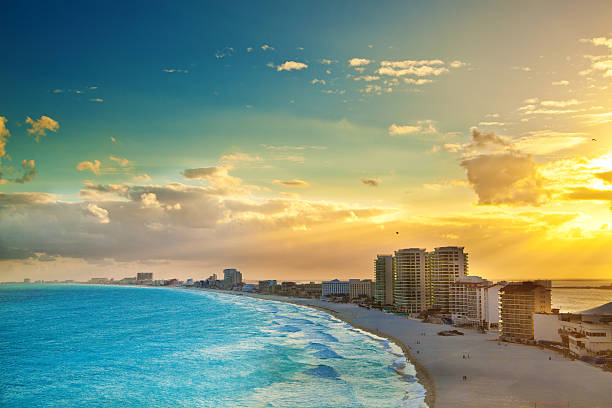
<point>483,141</point>
<point>18,199</point>
<point>173,221</point>
<point>500,174</point>
<point>605,176</point>
<point>370,182</point>
<point>585,193</point>
<point>291,183</point>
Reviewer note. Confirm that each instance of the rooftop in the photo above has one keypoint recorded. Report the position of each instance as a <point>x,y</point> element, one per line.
<point>605,309</point>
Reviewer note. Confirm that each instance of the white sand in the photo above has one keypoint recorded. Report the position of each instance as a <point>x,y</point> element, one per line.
<point>506,375</point>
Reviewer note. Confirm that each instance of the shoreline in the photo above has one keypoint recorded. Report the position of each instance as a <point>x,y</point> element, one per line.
<point>423,376</point>
<point>475,370</point>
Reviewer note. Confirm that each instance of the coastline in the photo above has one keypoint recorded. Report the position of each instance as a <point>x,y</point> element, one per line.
<point>475,370</point>
<point>423,376</point>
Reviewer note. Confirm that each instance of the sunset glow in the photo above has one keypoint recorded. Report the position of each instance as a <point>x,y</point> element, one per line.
<point>183,140</point>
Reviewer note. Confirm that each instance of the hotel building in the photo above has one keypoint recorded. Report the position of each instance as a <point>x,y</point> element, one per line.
<point>519,302</point>
<point>144,276</point>
<point>444,266</point>
<point>588,333</point>
<point>475,301</point>
<point>361,288</point>
<point>410,288</point>
<point>335,288</point>
<point>383,273</point>
<point>231,277</point>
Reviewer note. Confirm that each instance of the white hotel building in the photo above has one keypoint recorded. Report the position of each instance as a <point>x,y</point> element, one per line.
<point>335,288</point>
<point>588,333</point>
<point>475,301</point>
<point>353,288</point>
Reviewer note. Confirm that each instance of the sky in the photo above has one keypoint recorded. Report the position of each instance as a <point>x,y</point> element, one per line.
<point>298,140</point>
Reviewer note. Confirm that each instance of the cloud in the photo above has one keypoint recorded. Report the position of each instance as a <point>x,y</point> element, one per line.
<point>266,47</point>
<point>561,104</point>
<point>486,141</point>
<point>291,65</point>
<point>40,127</point>
<point>120,161</point>
<point>492,124</point>
<point>221,182</point>
<point>318,81</point>
<point>96,100</point>
<point>239,157</point>
<point>457,64</point>
<point>367,78</point>
<point>375,89</point>
<point>112,139</point>
<point>586,193</point>
<point>335,91</point>
<point>605,66</point>
<point>605,176</point>
<point>500,174</point>
<point>225,52</point>
<point>178,70</point>
<point>326,61</point>
<point>291,183</point>
<point>370,182</point>
<point>521,68</point>
<point>94,190</point>
<point>25,199</point>
<point>422,126</point>
<point>446,183</point>
<point>87,165</point>
<point>599,41</point>
<point>550,107</point>
<point>145,177</point>
<point>164,222</point>
<point>417,68</point>
<point>400,130</point>
<point>290,148</point>
<point>594,119</point>
<point>149,200</point>
<point>289,195</point>
<point>543,142</point>
<point>420,81</point>
<point>563,82</point>
<point>4,134</point>
<point>99,213</point>
<point>358,62</point>
<point>28,172</point>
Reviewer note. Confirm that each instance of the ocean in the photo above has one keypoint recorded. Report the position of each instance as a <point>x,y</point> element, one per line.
<point>571,299</point>
<point>102,346</point>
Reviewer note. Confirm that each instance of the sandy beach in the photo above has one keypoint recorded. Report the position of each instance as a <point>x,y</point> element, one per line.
<point>497,374</point>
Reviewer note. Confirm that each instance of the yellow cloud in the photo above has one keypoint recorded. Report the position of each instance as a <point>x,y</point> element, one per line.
<point>40,126</point>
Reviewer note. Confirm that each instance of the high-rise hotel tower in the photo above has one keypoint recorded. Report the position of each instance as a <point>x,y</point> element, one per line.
<point>383,272</point>
<point>421,280</point>
<point>444,266</point>
<point>410,290</point>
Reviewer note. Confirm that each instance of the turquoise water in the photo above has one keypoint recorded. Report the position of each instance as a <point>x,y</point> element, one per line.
<point>99,346</point>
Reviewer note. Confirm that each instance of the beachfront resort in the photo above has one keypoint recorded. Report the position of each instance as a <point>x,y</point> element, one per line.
<point>473,342</point>
<point>435,286</point>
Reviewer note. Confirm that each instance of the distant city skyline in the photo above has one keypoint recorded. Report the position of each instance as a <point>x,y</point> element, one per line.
<point>296,141</point>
